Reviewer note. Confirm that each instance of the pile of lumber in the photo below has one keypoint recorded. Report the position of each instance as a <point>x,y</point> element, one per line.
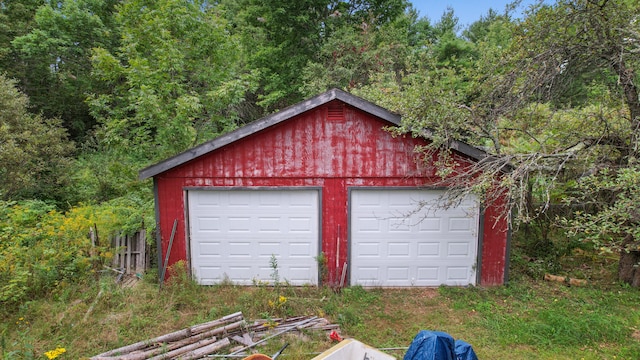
<point>231,333</point>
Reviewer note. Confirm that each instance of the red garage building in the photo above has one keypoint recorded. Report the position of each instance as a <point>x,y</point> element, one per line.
<point>323,182</point>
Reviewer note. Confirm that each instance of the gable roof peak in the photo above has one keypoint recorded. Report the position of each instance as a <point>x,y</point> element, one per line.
<point>268,121</point>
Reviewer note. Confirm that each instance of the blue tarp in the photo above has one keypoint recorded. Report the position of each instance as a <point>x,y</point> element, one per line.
<point>437,345</point>
<point>464,351</point>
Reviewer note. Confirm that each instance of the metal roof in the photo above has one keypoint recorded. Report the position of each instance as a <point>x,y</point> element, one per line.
<point>286,114</point>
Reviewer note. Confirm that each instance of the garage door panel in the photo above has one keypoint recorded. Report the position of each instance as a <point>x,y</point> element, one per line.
<point>239,250</point>
<point>209,249</point>
<point>239,224</point>
<point>295,203</point>
<point>235,233</point>
<point>457,249</point>
<point>267,249</point>
<point>370,224</point>
<point>460,224</point>
<point>429,225</point>
<point>238,199</point>
<point>427,273</point>
<point>398,273</point>
<point>302,250</point>
<point>207,201</point>
<point>209,275</point>
<point>428,249</point>
<point>209,224</point>
<point>241,274</point>
<point>412,275</point>
<point>457,273</point>
<point>369,249</point>
<point>401,225</point>
<point>301,224</point>
<point>269,223</point>
<point>300,274</point>
<point>398,249</point>
<point>269,200</point>
<point>368,273</point>
<point>411,246</point>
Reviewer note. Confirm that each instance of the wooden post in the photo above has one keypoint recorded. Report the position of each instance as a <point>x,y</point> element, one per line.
<point>166,258</point>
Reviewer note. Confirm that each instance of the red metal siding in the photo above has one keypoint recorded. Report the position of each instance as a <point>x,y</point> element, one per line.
<point>494,247</point>
<point>333,147</point>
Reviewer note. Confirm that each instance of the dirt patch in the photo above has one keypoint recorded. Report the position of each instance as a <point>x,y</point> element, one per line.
<point>428,293</point>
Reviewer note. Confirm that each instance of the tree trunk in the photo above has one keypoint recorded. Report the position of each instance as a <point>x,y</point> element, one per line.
<point>629,268</point>
<point>626,78</point>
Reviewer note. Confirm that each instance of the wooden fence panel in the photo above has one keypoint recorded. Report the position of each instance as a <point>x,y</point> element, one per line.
<point>131,252</point>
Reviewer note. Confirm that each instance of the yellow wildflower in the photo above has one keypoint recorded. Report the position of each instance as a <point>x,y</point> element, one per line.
<point>52,354</point>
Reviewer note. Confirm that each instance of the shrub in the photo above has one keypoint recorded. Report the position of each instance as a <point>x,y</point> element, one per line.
<point>42,249</point>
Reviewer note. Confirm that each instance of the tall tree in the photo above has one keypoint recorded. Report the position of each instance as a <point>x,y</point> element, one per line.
<point>35,152</point>
<point>57,53</point>
<point>16,19</point>
<point>354,55</point>
<point>279,38</point>
<point>480,29</point>
<point>163,79</point>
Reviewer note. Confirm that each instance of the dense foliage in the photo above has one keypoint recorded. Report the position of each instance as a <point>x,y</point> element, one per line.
<point>43,249</point>
<point>160,94</point>
<point>94,90</point>
<point>34,151</point>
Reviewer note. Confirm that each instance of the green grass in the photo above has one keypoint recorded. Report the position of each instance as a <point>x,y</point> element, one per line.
<point>528,319</point>
<point>584,322</point>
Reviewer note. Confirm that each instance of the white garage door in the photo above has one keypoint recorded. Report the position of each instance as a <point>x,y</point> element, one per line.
<point>397,242</point>
<point>235,233</point>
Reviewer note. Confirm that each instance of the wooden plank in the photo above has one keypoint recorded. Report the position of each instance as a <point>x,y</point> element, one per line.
<point>182,350</point>
<point>566,280</point>
<point>242,340</point>
<point>247,338</point>
<point>206,350</point>
<point>287,329</point>
<point>207,328</point>
<point>174,336</point>
<point>128,253</point>
<point>202,338</point>
<point>123,258</point>
<point>166,259</point>
<point>116,245</point>
<point>142,251</point>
